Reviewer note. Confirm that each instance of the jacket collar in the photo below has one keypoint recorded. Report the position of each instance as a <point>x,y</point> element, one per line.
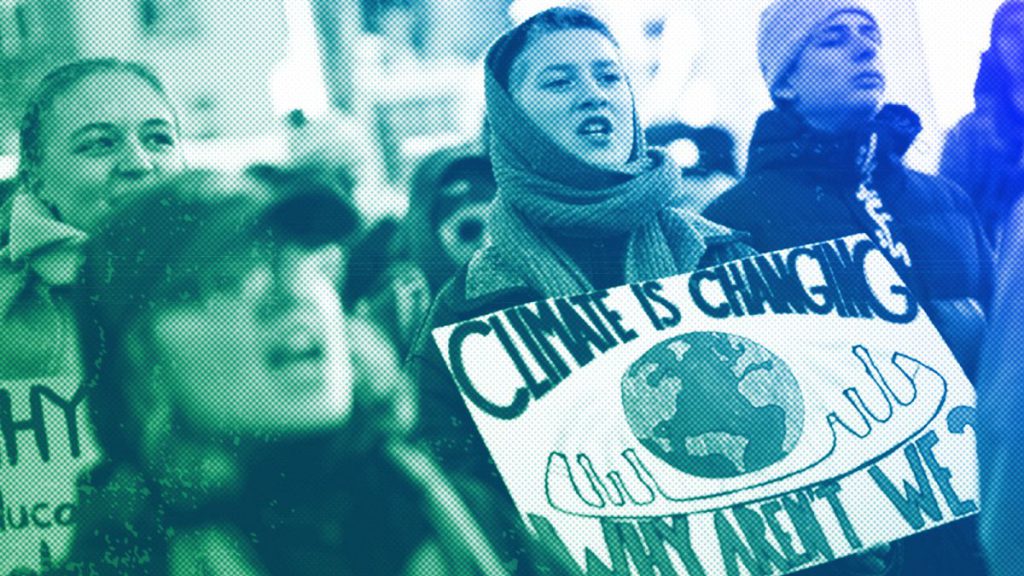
<point>36,240</point>
<point>782,139</point>
<point>31,228</point>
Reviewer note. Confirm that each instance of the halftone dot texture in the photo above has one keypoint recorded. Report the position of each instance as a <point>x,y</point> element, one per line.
<point>790,36</point>
<point>786,26</point>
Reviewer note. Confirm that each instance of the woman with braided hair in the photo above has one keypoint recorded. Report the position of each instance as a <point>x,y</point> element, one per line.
<point>92,133</point>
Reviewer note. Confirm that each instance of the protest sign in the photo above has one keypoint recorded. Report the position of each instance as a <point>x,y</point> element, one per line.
<point>46,441</point>
<point>758,417</point>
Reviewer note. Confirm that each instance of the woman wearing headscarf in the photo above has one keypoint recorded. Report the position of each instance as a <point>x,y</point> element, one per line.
<point>984,152</point>
<point>582,203</point>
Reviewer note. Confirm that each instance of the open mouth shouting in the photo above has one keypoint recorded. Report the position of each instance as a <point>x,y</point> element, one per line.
<point>300,356</point>
<point>869,80</point>
<point>596,130</point>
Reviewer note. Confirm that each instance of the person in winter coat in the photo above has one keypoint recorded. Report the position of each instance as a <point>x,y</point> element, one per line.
<point>827,162</point>
<point>398,267</point>
<point>449,196</point>
<point>238,406</point>
<point>984,152</point>
<point>582,204</point>
<point>1001,412</point>
<point>92,132</point>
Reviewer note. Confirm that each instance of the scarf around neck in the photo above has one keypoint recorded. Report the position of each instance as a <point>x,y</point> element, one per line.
<point>542,188</point>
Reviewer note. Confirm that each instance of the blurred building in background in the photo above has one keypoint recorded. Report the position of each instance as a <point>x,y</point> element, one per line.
<point>400,78</point>
<point>360,92</point>
<point>380,83</point>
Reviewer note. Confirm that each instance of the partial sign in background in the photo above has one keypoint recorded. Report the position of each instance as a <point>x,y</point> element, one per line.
<point>758,417</point>
<point>46,442</point>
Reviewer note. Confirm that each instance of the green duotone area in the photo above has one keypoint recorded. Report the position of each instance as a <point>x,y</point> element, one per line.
<point>713,405</point>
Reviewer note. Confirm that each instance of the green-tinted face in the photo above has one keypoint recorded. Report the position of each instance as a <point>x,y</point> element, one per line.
<point>838,76</point>
<point>266,356</point>
<point>571,84</point>
<point>105,137</point>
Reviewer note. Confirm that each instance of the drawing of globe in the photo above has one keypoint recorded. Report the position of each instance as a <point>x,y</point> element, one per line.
<point>713,405</point>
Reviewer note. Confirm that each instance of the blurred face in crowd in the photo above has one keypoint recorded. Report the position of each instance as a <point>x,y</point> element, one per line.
<point>105,136</point>
<point>265,355</point>
<point>572,85</point>
<point>1009,44</point>
<point>462,232</point>
<point>838,78</point>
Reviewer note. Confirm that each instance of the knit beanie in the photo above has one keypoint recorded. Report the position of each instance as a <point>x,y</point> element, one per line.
<point>786,26</point>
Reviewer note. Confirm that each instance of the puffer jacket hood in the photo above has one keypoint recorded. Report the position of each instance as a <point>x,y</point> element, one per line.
<point>782,140</point>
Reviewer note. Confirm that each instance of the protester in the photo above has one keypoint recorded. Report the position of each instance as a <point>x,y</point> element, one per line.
<point>984,152</point>
<point>238,406</point>
<point>367,259</point>
<point>398,266</point>
<point>582,204</point>
<point>827,162</point>
<point>448,206</point>
<point>92,132</point>
<point>1000,411</point>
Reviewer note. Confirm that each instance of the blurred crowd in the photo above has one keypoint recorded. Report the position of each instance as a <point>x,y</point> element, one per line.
<point>255,347</point>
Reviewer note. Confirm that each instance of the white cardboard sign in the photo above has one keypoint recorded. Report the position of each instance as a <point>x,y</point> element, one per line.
<point>757,417</point>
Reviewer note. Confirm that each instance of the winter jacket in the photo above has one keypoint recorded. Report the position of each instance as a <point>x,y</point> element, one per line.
<point>355,500</point>
<point>1001,411</point>
<point>310,507</point>
<point>39,351</point>
<point>801,187</point>
<point>39,261</point>
<point>984,152</point>
<point>987,162</point>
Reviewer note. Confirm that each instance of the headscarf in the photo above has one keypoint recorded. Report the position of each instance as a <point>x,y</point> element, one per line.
<point>542,188</point>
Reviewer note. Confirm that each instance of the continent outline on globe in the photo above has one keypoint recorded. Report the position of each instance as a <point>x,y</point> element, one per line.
<point>713,404</point>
